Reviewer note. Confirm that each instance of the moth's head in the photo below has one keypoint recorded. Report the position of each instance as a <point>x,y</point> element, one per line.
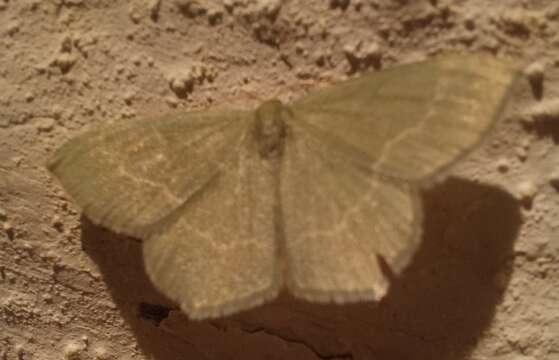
<point>270,128</point>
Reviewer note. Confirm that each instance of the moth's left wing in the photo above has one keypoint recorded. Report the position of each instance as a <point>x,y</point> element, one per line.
<point>217,253</point>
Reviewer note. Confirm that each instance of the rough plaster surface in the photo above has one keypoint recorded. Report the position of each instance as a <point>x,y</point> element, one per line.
<point>484,282</point>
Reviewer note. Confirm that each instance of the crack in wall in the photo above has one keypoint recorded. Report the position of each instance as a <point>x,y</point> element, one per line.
<point>320,355</point>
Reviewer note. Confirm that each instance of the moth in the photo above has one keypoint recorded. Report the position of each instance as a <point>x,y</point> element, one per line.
<point>236,206</point>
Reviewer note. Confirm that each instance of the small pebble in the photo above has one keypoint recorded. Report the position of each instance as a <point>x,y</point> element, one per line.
<point>503,165</point>
<point>128,97</point>
<point>535,74</point>
<point>127,113</point>
<point>134,15</point>
<point>137,60</point>
<point>56,222</point>
<point>521,153</point>
<point>351,49</point>
<point>13,27</point>
<point>553,179</point>
<point>57,111</point>
<point>190,8</point>
<point>20,351</point>
<point>45,124</point>
<point>66,43</point>
<point>154,6</point>
<point>65,62</point>
<point>300,48</point>
<point>182,82</point>
<point>3,214</point>
<point>372,51</point>
<point>544,111</point>
<point>72,351</point>
<point>101,353</point>
<point>172,101</point>
<point>7,227</point>
<point>526,190</point>
<point>270,8</point>
<point>215,15</point>
<point>17,160</point>
<point>470,21</point>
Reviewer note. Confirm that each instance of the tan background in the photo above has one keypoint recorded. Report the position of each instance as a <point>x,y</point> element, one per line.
<point>483,284</point>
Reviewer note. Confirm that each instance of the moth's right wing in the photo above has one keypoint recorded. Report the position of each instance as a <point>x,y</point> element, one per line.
<point>127,176</point>
<point>355,156</point>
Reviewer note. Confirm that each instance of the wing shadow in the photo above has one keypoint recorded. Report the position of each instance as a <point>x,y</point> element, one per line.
<point>438,308</point>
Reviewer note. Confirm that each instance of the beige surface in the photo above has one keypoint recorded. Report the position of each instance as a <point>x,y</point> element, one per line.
<point>483,284</point>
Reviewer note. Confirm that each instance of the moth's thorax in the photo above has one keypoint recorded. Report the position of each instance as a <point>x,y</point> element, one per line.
<point>270,128</point>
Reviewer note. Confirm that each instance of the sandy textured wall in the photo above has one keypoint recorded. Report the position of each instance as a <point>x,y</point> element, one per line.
<point>484,282</point>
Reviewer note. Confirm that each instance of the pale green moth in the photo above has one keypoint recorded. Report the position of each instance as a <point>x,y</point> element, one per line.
<point>235,206</point>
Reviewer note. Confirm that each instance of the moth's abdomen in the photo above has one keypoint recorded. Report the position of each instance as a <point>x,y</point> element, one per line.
<point>270,128</point>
